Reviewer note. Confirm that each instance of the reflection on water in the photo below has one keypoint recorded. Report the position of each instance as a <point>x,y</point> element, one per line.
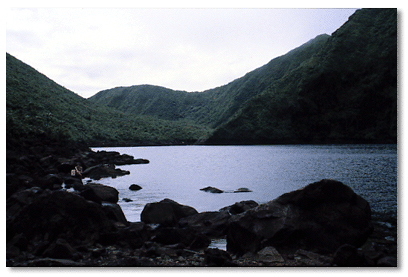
<point>179,172</point>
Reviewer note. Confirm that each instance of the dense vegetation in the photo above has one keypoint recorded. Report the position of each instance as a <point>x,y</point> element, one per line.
<point>333,89</point>
<point>347,93</point>
<point>35,105</point>
<point>212,107</point>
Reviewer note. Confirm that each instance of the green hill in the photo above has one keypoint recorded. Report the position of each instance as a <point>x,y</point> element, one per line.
<point>347,93</point>
<point>36,105</point>
<point>333,89</point>
<point>212,107</point>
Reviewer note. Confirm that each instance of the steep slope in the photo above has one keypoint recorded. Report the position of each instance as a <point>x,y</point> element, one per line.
<point>151,100</point>
<point>345,94</point>
<point>211,107</point>
<point>36,105</point>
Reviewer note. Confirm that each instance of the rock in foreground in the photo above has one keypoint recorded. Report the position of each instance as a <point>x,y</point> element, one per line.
<point>166,212</point>
<point>321,217</point>
<point>60,214</point>
<point>240,207</point>
<point>212,224</point>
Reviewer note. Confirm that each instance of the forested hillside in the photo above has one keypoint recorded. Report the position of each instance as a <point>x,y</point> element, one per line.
<point>36,105</point>
<point>211,107</point>
<point>347,93</point>
<point>333,89</point>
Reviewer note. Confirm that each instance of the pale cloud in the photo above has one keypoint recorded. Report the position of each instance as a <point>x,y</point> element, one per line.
<point>88,50</point>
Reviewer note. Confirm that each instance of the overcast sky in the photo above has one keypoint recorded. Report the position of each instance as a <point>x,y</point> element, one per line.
<point>88,50</point>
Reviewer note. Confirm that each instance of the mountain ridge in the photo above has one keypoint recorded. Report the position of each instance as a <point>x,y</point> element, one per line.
<point>37,106</point>
<point>332,89</point>
<point>210,107</point>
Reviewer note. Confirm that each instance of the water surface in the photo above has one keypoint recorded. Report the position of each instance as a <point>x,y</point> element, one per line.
<point>179,172</point>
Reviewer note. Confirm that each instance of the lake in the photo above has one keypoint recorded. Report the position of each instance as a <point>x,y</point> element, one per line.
<point>179,172</point>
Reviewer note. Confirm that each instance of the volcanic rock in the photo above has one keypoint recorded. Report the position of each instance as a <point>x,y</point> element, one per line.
<point>135,187</point>
<point>166,212</point>
<point>212,224</point>
<point>212,190</point>
<point>60,214</point>
<point>101,192</point>
<point>319,217</point>
<point>240,207</point>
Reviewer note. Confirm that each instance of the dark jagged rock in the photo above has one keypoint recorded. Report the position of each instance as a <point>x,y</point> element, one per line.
<point>270,255</point>
<point>320,217</point>
<point>60,249</point>
<point>113,157</point>
<point>166,212</point>
<point>212,190</point>
<point>175,235</point>
<point>114,212</point>
<point>49,181</point>
<point>60,214</point>
<point>217,257</point>
<point>133,234</point>
<point>240,207</point>
<point>243,190</point>
<point>100,193</point>
<point>103,170</point>
<point>348,256</point>
<point>212,224</point>
<point>20,199</point>
<point>135,187</point>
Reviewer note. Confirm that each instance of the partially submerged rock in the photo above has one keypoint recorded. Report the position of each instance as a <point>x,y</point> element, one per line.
<point>103,170</point>
<point>100,193</point>
<point>113,157</point>
<point>212,190</point>
<point>135,187</point>
<point>243,190</point>
<point>320,217</point>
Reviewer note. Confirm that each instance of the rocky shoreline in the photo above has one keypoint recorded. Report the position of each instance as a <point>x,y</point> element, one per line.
<point>323,224</point>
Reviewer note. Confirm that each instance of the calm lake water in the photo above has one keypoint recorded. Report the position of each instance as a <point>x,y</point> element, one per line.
<point>179,172</point>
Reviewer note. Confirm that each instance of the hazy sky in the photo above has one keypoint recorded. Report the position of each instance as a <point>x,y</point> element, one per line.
<point>88,50</point>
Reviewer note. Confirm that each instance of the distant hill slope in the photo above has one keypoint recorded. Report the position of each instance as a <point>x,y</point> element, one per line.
<point>36,105</point>
<point>212,107</point>
<point>347,93</point>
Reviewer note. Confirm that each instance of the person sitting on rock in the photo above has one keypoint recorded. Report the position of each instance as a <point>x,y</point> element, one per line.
<point>78,171</point>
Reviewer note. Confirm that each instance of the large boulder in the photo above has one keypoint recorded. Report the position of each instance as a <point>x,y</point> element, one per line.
<point>319,217</point>
<point>166,212</point>
<point>212,224</point>
<point>115,213</point>
<point>100,193</point>
<point>60,214</point>
<point>240,207</point>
